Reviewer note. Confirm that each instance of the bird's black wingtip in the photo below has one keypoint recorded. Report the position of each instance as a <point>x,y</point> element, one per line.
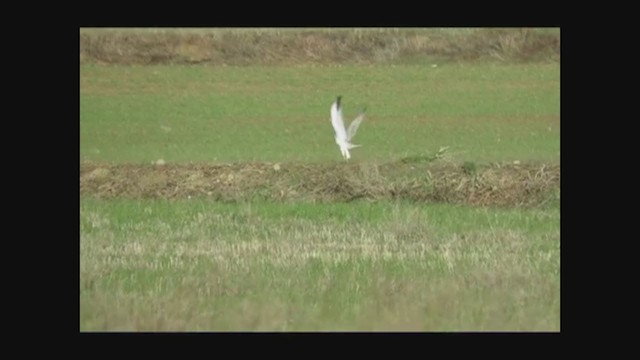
<point>338,101</point>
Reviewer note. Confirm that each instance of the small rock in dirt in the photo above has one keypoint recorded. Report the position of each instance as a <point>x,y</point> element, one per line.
<point>98,173</point>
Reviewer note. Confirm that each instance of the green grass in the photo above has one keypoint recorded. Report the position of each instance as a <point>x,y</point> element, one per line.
<point>483,112</point>
<point>199,265</point>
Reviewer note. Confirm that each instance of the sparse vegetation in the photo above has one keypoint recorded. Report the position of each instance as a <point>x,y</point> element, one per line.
<point>316,46</point>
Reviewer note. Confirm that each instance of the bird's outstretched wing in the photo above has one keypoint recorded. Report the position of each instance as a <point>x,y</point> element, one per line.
<point>353,128</point>
<point>337,121</point>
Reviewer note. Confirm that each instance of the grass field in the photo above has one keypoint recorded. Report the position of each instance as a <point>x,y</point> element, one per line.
<point>483,112</point>
<point>255,223</point>
<point>158,265</point>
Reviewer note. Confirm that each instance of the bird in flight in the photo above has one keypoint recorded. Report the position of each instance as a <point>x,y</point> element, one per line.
<point>344,136</point>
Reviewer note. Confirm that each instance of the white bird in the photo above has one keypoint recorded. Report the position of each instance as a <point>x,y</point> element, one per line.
<point>343,137</point>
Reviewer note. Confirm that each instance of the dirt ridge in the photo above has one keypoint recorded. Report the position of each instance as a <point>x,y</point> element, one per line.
<point>527,184</point>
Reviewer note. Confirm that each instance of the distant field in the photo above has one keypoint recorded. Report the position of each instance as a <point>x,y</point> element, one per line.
<point>483,112</point>
<point>199,265</point>
<point>299,46</point>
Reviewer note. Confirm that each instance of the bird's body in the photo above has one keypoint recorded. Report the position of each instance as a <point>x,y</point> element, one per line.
<point>343,136</point>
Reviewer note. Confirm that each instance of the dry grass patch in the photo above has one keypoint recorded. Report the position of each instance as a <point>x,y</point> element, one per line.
<point>412,179</point>
<point>315,46</point>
